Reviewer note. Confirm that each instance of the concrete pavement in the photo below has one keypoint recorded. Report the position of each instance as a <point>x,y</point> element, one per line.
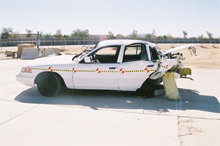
<point>82,117</point>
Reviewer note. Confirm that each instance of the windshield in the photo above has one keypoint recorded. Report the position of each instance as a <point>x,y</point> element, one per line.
<point>82,54</point>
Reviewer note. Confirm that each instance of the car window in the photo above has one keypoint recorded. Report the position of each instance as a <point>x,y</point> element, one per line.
<point>153,53</point>
<point>105,55</point>
<point>135,52</point>
<point>107,51</point>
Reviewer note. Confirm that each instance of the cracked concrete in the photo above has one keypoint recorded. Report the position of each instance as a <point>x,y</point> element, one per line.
<point>109,118</point>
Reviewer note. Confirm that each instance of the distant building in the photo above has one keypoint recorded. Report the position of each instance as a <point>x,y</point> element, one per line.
<point>99,37</point>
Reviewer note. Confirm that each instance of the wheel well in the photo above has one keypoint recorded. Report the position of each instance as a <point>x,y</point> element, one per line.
<point>156,82</point>
<point>42,73</point>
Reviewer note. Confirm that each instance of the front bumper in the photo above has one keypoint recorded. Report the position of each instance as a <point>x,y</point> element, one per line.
<point>25,78</point>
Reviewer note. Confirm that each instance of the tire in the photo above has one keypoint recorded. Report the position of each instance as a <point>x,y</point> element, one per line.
<point>49,84</point>
<point>147,89</point>
<point>150,88</point>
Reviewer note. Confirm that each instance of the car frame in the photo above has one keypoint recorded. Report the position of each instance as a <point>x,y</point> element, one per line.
<point>124,65</point>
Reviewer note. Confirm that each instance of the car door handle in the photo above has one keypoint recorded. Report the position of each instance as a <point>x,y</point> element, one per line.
<point>150,65</point>
<point>112,68</point>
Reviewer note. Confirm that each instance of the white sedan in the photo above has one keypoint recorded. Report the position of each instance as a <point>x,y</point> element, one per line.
<point>125,65</point>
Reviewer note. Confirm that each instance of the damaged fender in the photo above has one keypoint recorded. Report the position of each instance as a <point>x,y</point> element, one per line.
<point>172,62</point>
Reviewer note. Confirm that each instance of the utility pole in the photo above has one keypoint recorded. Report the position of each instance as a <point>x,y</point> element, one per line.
<point>38,42</point>
<point>1,45</point>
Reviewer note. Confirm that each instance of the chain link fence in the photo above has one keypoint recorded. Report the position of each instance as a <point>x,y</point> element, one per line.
<point>92,41</point>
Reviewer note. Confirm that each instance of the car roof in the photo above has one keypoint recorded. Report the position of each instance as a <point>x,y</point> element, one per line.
<point>122,42</point>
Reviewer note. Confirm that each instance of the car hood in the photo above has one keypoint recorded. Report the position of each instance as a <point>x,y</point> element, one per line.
<point>53,60</point>
<point>189,46</point>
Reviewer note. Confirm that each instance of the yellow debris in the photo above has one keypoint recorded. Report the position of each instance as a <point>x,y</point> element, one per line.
<point>185,71</point>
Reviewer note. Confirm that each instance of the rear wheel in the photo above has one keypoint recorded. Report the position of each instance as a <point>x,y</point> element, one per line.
<point>49,84</point>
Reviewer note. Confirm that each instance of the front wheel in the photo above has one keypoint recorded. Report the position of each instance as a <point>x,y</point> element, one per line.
<point>48,84</point>
<point>148,88</point>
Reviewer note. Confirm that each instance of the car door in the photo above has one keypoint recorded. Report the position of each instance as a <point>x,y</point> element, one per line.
<point>135,67</point>
<point>101,72</point>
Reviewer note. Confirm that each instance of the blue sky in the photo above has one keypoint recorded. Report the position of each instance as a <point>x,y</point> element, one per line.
<point>117,16</point>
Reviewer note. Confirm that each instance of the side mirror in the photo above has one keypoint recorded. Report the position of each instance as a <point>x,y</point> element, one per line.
<point>87,60</point>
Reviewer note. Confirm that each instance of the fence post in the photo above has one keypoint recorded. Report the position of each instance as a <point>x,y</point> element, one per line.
<point>1,45</point>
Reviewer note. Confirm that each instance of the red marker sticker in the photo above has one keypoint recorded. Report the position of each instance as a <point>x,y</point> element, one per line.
<point>166,66</point>
<point>98,70</point>
<point>74,70</point>
<point>122,70</point>
<point>146,70</point>
<point>50,69</point>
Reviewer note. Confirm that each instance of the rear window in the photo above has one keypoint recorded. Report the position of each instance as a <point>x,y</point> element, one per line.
<point>135,52</point>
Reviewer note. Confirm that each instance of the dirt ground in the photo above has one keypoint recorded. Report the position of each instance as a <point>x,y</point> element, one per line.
<point>208,56</point>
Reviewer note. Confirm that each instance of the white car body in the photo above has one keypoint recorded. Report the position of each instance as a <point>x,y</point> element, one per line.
<point>119,75</point>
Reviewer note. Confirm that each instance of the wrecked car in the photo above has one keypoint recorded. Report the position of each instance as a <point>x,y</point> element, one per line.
<point>124,65</point>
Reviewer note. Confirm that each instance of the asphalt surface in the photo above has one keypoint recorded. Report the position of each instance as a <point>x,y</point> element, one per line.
<point>82,117</point>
